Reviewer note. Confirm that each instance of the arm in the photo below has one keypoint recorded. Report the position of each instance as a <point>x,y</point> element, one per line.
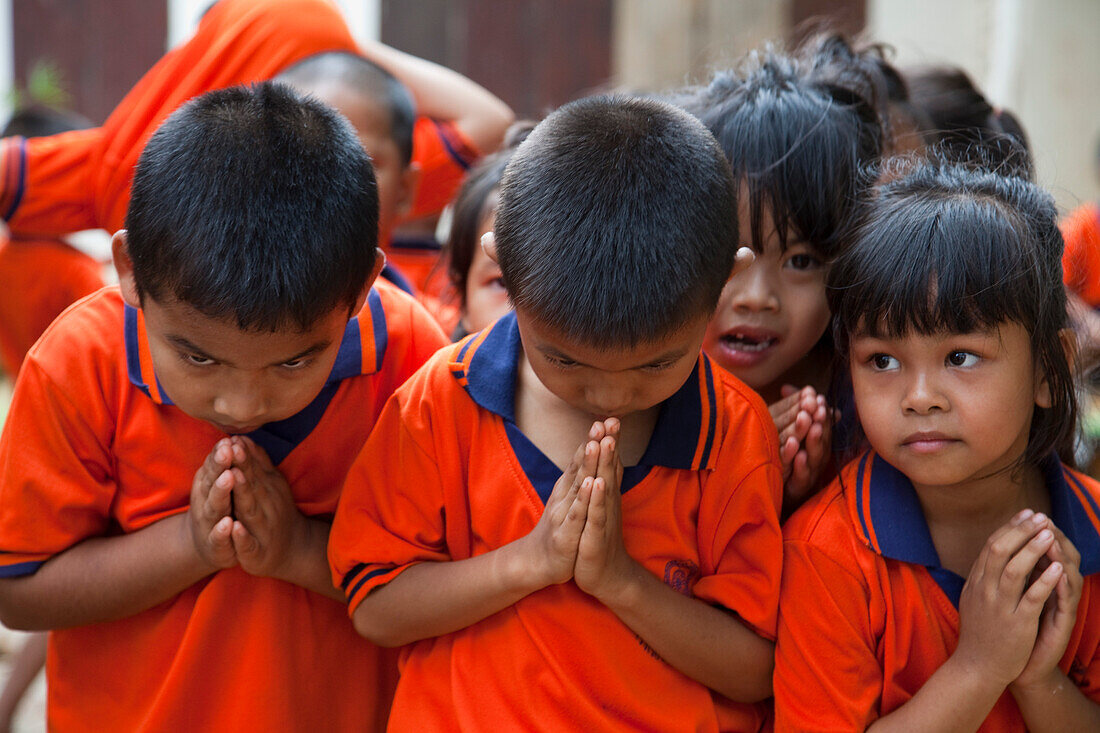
<point>706,643</point>
<point>105,578</point>
<point>435,598</point>
<point>443,94</point>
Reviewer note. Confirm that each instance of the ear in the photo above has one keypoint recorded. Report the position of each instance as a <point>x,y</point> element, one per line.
<point>1069,347</point>
<point>379,263</point>
<point>741,261</point>
<point>120,252</point>
<point>489,246</point>
<point>410,185</point>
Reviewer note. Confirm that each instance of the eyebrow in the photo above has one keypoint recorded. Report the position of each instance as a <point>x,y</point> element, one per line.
<point>182,343</point>
<point>668,356</point>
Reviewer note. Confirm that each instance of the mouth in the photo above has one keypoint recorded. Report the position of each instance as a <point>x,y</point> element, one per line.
<point>927,441</point>
<point>237,429</point>
<point>745,346</point>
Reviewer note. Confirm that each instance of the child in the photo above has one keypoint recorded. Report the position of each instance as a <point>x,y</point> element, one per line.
<point>474,277</point>
<point>182,604</point>
<point>532,598</point>
<point>949,314</point>
<point>82,180</point>
<point>796,132</point>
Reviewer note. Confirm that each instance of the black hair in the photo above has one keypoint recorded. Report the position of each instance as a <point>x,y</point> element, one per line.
<point>257,204</point>
<point>364,77</point>
<point>797,129</point>
<point>40,121</point>
<point>963,125</point>
<point>473,204</point>
<point>944,247</point>
<point>617,221</point>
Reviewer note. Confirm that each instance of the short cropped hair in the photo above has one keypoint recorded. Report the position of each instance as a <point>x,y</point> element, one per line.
<point>617,221</point>
<point>364,77</point>
<point>943,247</point>
<point>256,204</point>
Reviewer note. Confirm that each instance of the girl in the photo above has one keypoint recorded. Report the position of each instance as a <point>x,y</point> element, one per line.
<point>475,279</point>
<point>937,583</point>
<point>796,130</point>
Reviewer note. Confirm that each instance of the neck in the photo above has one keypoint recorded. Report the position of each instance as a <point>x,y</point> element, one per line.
<point>985,501</point>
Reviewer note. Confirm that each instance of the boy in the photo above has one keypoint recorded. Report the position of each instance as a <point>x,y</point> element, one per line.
<point>532,598</point>
<point>200,604</point>
<point>82,180</point>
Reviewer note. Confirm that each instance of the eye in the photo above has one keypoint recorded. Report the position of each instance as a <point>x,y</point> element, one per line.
<point>560,362</point>
<point>496,282</point>
<point>883,362</point>
<point>197,360</point>
<point>962,359</point>
<point>657,366</point>
<point>803,261</point>
<point>295,364</point>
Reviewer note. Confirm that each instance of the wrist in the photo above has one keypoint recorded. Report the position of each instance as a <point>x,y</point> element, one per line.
<point>976,679</point>
<point>189,545</point>
<point>625,590</point>
<point>1042,687</point>
<point>519,570</point>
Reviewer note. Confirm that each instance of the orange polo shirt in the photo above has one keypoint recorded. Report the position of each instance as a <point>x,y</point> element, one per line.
<point>38,280</point>
<point>447,475</point>
<point>867,612</point>
<point>1081,258</point>
<point>81,180</point>
<point>94,447</point>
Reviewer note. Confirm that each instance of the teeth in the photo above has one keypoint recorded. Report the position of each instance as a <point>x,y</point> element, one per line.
<point>741,342</point>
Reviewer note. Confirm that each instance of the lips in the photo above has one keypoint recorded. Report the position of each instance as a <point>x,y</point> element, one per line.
<point>927,441</point>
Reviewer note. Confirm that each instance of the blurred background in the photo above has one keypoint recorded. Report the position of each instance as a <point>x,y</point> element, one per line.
<point>1039,58</point>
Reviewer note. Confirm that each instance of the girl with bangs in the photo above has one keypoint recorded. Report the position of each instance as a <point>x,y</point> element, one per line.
<point>949,579</point>
<point>798,129</point>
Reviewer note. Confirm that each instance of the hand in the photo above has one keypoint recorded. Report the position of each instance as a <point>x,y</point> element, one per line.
<point>210,512</point>
<point>268,528</point>
<point>999,611</point>
<point>804,423</point>
<point>551,547</point>
<point>1059,615</point>
<point>604,567</point>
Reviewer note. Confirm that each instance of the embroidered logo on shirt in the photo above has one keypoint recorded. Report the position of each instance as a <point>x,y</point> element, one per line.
<point>680,575</point>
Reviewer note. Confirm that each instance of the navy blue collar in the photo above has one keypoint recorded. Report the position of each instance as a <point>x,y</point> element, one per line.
<point>687,425</point>
<point>362,350</point>
<point>893,525</point>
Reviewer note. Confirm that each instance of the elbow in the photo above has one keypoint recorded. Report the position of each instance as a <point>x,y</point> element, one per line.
<point>372,627</point>
<point>755,685</point>
<point>15,615</point>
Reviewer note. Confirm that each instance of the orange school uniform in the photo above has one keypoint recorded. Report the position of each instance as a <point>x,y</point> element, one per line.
<point>38,280</point>
<point>81,180</point>
<point>867,613</point>
<point>93,447</point>
<point>447,475</point>
<point>1081,258</point>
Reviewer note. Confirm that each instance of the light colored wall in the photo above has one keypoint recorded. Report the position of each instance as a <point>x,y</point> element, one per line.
<point>1038,58</point>
<point>667,44</point>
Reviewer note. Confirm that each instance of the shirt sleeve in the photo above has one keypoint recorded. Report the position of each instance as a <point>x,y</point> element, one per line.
<point>56,485</point>
<point>46,186</point>
<point>827,675</point>
<point>391,512</point>
<point>741,546</point>
<point>444,155</point>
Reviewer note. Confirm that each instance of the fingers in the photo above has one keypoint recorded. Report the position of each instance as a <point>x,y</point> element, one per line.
<point>218,501</point>
<point>596,523</point>
<point>246,503</point>
<point>742,259</point>
<point>568,481</point>
<point>219,459</point>
<point>787,452</point>
<point>1036,596</point>
<point>221,543</point>
<point>243,541</point>
<point>1018,569</point>
<point>1003,544</point>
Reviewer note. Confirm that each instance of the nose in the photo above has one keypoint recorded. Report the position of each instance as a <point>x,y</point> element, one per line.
<point>241,402</point>
<point>608,400</point>
<point>923,396</point>
<point>753,290</point>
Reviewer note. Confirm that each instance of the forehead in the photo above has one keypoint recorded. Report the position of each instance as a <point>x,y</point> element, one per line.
<point>372,120</point>
<point>685,340</point>
<point>176,322</point>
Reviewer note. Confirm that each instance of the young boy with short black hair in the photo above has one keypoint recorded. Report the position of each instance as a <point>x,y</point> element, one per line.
<point>175,446</point>
<point>542,585</point>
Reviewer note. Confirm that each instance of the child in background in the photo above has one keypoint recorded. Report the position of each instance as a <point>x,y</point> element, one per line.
<point>82,180</point>
<point>474,277</point>
<point>176,445</point>
<point>947,580</point>
<point>797,131</point>
<point>39,277</point>
<point>539,585</point>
